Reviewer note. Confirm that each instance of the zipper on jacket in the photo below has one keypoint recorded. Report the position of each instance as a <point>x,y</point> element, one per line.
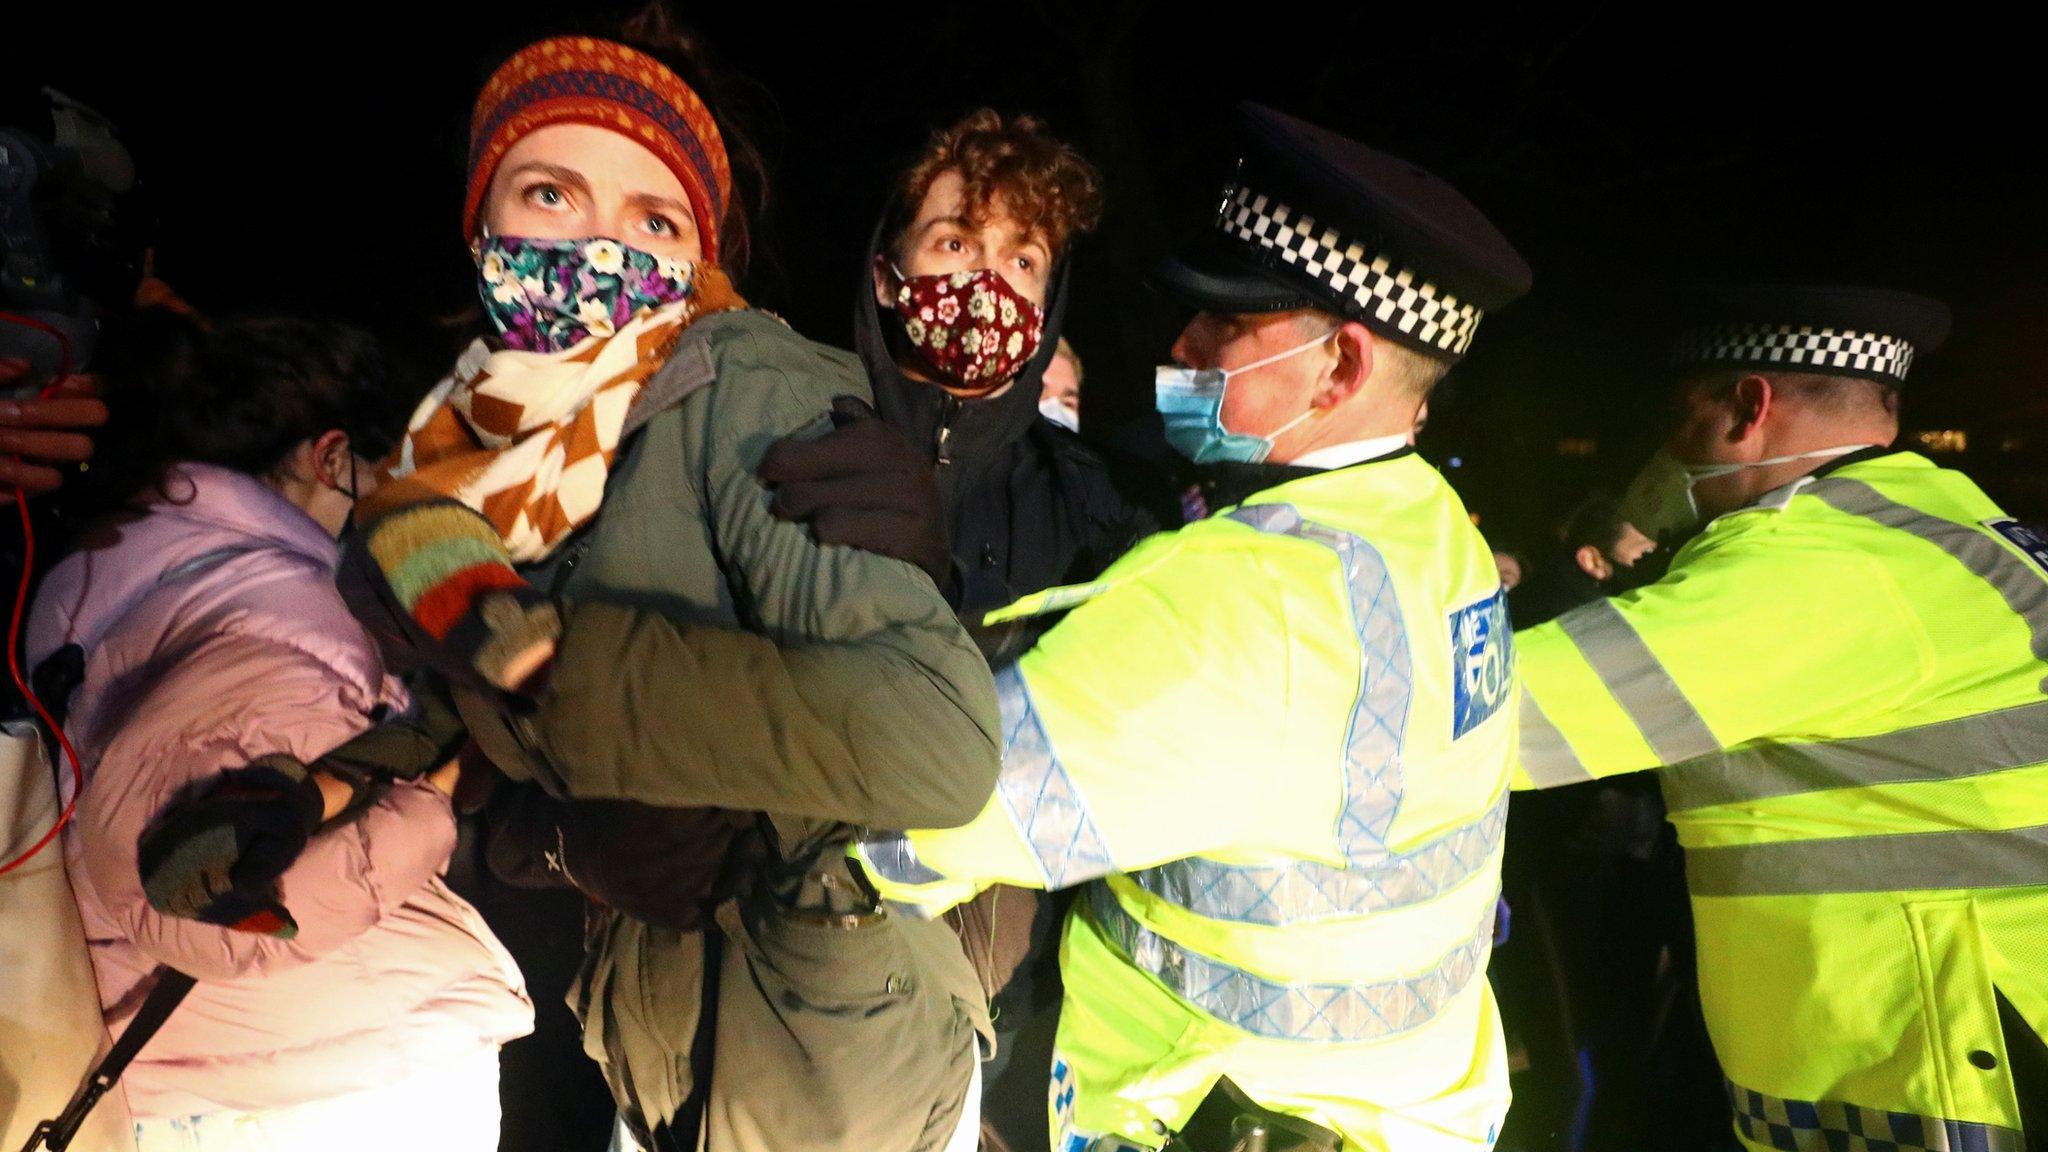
<point>949,409</point>
<point>567,567</point>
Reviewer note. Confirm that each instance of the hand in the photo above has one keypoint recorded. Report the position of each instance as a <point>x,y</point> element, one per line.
<point>216,857</point>
<point>658,865</point>
<point>336,794</point>
<point>446,778</point>
<point>464,612</point>
<point>662,866</point>
<point>475,779</point>
<point>865,486</point>
<point>39,435</point>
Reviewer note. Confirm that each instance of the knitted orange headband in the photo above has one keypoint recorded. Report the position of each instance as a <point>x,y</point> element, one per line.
<point>583,80</point>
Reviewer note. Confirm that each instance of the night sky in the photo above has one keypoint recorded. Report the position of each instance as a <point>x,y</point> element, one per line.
<point>309,158</point>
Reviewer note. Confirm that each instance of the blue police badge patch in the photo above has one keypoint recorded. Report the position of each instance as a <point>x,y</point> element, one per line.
<point>1482,662</point>
<point>2024,538</point>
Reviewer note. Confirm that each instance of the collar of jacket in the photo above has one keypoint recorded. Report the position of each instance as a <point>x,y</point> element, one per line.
<point>1874,452</point>
<point>233,502</point>
<point>1224,485</point>
<point>1779,498</point>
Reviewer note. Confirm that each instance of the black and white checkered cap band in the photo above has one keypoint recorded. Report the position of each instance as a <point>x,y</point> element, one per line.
<point>1373,284</point>
<point>1839,349</point>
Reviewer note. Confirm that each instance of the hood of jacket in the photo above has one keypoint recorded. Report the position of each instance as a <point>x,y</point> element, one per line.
<point>977,431</point>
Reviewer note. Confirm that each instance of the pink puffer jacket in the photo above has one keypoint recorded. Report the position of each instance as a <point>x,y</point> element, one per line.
<point>214,635</point>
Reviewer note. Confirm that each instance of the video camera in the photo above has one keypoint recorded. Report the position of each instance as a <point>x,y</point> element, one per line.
<point>74,232</point>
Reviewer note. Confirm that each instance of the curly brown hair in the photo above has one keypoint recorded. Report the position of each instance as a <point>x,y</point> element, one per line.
<point>1015,166</point>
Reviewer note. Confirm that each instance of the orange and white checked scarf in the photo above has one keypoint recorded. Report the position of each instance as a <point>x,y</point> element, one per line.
<point>527,438</point>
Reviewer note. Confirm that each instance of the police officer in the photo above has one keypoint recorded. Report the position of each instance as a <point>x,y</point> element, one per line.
<point>1842,680</point>
<point>1277,742</point>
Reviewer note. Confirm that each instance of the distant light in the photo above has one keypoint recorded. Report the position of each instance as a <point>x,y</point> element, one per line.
<point>1457,461</point>
<point>2012,444</point>
<point>1944,440</point>
<point>1578,446</point>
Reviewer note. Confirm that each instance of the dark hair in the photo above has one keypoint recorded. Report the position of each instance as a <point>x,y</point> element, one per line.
<point>1835,395</point>
<point>656,31</point>
<point>1596,521</point>
<point>1015,165</point>
<point>240,394</point>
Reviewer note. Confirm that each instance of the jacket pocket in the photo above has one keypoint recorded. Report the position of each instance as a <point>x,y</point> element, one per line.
<point>832,1037</point>
<point>1965,1046</point>
<point>857,971</point>
<point>671,983</point>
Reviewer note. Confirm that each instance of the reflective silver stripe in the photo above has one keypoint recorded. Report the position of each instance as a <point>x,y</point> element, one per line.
<point>1668,721</point>
<point>1900,862</point>
<point>2018,581</point>
<point>1306,890</point>
<point>1338,1013</point>
<point>895,860</point>
<point>1950,750</point>
<point>1041,798</point>
<point>1379,719</point>
<point>1832,1125</point>
<point>1547,756</point>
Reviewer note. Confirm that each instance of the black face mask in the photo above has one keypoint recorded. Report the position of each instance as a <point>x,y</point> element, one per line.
<point>349,525</point>
<point>352,488</point>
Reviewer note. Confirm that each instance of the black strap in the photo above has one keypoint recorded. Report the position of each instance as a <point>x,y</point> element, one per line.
<point>55,1135</point>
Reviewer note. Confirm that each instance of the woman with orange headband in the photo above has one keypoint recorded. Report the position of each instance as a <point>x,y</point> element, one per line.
<point>573,534</point>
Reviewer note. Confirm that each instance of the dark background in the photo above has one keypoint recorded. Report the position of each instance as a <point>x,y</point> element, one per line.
<point>310,157</point>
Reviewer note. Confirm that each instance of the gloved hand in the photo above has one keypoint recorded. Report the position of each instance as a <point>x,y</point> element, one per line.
<point>863,485</point>
<point>216,857</point>
<point>408,746</point>
<point>665,866</point>
<point>435,586</point>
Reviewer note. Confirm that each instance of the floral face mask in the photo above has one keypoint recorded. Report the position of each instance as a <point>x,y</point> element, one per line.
<point>551,295</point>
<point>971,330</point>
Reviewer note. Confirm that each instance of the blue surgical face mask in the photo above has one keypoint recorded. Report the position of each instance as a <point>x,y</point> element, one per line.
<point>1191,400</point>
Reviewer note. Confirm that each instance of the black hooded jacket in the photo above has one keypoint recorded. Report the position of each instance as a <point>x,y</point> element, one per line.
<point>1028,505</point>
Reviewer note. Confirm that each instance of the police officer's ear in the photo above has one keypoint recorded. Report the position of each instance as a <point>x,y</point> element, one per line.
<point>1750,404</point>
<point>1355,346</point>
<point>1593,562</point>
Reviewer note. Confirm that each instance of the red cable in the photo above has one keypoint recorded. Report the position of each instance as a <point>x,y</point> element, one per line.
<point>28,560</point>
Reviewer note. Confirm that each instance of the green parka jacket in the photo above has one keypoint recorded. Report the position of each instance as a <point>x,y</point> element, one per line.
<point>713,655</point>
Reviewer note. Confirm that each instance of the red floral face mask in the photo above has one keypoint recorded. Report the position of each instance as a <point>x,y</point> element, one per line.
<point>970,330</point>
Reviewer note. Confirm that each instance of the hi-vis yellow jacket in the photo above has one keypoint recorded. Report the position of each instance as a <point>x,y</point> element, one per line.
<point>1844,687</point>
<point>1278,742</point>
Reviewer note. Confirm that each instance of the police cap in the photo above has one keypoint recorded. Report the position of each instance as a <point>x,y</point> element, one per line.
<point>1312,219</point>
<point>1870,333</point>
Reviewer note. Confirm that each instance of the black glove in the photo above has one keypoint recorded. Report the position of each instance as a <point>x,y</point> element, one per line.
<point>863,485</point>
<point>216,857</point>
<point>665,866</point>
